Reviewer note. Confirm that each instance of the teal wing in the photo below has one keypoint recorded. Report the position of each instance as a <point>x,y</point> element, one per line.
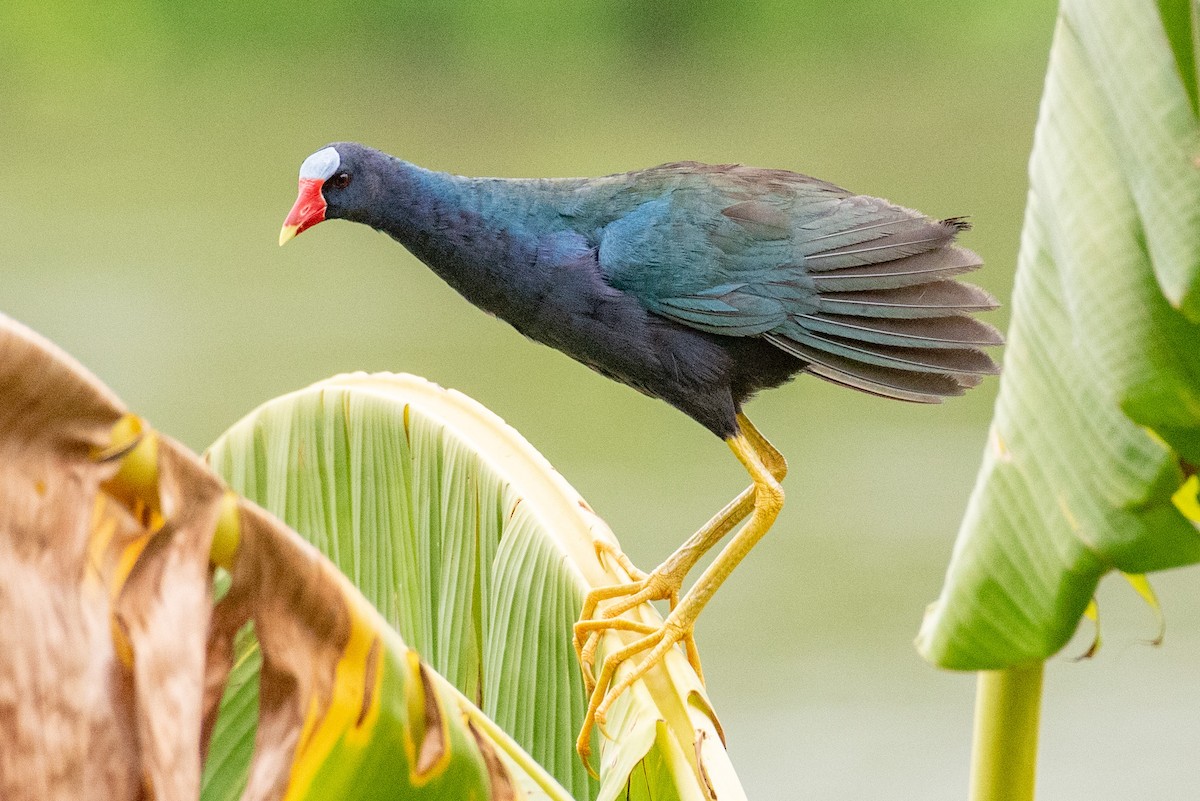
<point>860,290</point>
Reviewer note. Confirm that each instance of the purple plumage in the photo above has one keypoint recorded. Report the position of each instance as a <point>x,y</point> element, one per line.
<point>697,284</point>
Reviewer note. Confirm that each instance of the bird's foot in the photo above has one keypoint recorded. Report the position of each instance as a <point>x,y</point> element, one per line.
<point>662,584</point>
<point>658,641</point>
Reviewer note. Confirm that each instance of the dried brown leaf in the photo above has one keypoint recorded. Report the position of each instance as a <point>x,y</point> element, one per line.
<point>296,599</point>
<point>164,608</point>
<point>65,728</point>
<point>103,610</point>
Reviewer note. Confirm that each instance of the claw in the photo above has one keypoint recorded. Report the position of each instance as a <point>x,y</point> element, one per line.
<point>583,747</point>
<point>659,641</point>
<point>606,548</point>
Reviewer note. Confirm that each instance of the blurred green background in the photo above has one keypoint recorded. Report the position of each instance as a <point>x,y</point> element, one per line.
<point>150,151</point>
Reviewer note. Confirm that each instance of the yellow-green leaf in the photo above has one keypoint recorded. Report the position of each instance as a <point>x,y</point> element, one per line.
<point>1099,406</point>
<point>469,542</point>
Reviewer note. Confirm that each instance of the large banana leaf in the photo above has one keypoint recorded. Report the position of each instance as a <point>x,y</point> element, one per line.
<point>479,553</point>
<point>1098,417</point>
<point>114,657</point>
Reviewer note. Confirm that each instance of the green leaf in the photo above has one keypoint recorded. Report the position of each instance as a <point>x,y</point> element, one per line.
<point>1179,20</point>
<point>1099,404</point>
<point>479,553</point>
<point>227,764</point>
<point>347,709</point>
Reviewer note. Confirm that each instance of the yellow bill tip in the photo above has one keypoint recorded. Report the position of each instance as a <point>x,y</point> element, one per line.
<point>287,234</point>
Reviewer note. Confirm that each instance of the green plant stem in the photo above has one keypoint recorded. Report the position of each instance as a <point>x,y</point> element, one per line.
<point>1004,754</point>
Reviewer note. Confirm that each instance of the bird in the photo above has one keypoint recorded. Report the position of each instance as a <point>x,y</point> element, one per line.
<point>697,284</point>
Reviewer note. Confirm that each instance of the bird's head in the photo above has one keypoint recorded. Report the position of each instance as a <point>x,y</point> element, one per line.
<point>332,184</point>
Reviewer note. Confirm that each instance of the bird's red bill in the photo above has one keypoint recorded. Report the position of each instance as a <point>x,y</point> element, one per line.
<point>308,211</point>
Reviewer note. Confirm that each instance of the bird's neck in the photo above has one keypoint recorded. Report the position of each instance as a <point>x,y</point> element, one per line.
<point>468,230</point>
<point>415,204</point>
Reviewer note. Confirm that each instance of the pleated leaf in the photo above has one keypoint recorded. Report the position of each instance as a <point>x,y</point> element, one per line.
<point>115,656</point>
<point>1098,415</point>
<point>480,554</point>
<point>347,710</point>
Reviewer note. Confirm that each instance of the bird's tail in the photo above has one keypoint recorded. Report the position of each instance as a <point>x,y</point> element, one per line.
<point>890,318</point>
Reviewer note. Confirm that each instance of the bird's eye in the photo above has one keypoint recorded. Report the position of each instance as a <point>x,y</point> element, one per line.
<point>341,180</point>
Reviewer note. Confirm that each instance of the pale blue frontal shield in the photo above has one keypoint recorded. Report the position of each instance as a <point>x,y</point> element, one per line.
<point>320,165</point>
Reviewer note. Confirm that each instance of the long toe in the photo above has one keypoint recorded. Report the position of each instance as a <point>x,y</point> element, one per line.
<point>659,644</point>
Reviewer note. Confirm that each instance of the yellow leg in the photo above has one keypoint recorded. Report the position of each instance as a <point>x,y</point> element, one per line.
<point>766,467</point>
<point>768,453</point>
<point>662,584</point>
<point>665,581</point>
